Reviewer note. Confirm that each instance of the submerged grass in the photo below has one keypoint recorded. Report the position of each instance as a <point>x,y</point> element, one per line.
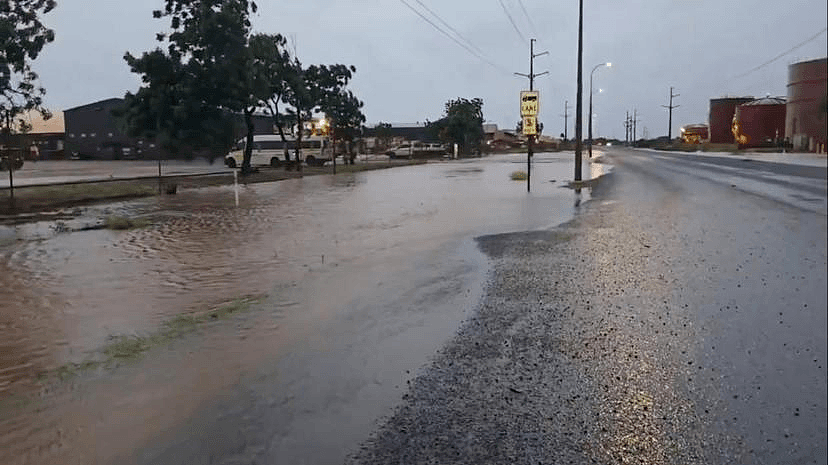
<point>124,349</point>
<point>518,176</point>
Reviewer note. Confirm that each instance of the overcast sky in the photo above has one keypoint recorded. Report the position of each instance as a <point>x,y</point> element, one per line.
<point>407,69</point>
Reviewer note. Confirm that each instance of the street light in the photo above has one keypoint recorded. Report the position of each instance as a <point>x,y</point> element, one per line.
<point>608,65</point>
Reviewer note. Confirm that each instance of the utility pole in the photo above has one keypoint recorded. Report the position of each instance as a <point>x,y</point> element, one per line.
<point>531,139</point>
<point>627,129</point>
<point>635,129</point>
<point>565,115</point>
<point>670,119</point>
<point>578,110</point>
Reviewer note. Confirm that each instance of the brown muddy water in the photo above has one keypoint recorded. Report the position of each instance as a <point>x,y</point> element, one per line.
<point>365,276</point>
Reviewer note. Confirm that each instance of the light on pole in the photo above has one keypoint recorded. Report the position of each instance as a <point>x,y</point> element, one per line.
<point>608,65</point>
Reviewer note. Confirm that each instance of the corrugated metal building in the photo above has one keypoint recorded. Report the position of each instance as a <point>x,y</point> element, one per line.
<point>760,123</point>
<point>805,123</point>
<point>721,118</point>
<point>93,132</point>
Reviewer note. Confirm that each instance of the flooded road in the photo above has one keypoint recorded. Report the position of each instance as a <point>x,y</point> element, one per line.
<point>365,276</point>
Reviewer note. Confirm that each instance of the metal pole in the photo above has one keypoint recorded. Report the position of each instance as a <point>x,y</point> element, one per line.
<point>590,110</point>
<point>578,109</point>
<point>236,185</point>
<point>530,142</point>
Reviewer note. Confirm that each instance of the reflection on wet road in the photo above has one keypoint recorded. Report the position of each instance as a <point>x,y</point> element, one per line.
<point>366,275</point>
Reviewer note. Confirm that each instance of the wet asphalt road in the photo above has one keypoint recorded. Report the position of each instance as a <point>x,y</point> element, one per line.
<point>680,318</point>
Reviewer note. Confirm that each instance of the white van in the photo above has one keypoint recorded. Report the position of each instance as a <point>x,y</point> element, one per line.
<point>269,149</point>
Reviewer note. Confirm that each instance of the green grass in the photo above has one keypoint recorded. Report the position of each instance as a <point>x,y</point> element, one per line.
<point>125,349</point>
<point>518,176</point>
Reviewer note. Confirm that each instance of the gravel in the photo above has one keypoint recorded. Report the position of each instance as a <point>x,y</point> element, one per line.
<point>578,353</point>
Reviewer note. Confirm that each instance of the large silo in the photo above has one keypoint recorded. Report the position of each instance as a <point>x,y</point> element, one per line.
<point>805,123</point>
<point>721,118</point>
<point>760,123</point>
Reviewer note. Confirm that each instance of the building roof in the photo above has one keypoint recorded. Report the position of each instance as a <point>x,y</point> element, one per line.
<point>55,124</point>
<point>99,102</point>
<point>767,101</point>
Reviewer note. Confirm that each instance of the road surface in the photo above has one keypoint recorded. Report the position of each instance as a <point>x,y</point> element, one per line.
<point>680,318</point>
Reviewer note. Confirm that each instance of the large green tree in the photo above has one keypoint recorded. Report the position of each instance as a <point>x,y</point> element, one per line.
<point>462,124</point>
<point>199,80</point>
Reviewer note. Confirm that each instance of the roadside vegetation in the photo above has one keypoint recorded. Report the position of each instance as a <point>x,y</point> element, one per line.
<point>130,348</point>
<point>518,176</point>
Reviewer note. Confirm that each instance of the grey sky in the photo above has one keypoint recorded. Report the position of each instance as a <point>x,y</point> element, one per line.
<point>407,70</point>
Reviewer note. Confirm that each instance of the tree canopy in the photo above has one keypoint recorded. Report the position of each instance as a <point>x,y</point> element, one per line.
<point>213,68</point>
<point>22,37</point>
<point>462,124</point>
<point>200,78</point>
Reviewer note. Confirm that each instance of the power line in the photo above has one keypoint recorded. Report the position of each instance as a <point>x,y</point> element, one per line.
<point>466,47</point>
<point>467,41</point>
<point>511,20</point>
<point>781,54</point>
<point>528,18</point>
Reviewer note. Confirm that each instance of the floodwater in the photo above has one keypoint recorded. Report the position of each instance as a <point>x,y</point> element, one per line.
<point>365,276</point>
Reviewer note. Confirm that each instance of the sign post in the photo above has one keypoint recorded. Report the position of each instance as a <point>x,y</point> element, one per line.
<point>529,107</point>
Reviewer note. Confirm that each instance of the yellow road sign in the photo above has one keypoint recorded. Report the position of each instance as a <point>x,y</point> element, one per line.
<point>529,103</point>
<point>530,125</point>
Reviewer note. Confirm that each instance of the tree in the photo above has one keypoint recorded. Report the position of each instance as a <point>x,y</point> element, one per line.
<point>310,88</point>
<point>275,65</point>
<point>462,124</point>
<point>201,79</point>
<point>383,134</point>
<point>22,37</point>
<point>344,110</point>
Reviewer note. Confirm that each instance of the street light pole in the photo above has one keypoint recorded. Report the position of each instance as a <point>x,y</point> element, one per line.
<point>607,64</point>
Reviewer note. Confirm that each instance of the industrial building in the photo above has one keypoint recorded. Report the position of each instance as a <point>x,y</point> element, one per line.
<point>721,118</point>
<point>94,132</point>
<point>805,121</point>
<point>760,123</point>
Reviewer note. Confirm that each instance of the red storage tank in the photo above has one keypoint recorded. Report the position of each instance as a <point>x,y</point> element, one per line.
<point>805,123</point>
<point>760,123</point>
<point>721,118</point>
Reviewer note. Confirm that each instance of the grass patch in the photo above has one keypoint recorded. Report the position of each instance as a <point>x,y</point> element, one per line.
<point>124,349</point>
<point>518,176</point>
<point>124,222</point>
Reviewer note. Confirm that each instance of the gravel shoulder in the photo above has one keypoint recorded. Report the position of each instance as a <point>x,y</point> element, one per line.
<point>586,348</point>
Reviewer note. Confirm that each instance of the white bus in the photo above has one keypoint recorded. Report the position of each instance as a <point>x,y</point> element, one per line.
<point>269,149</point>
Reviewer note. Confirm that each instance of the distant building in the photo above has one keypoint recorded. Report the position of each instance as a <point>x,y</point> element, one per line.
<point>93,132</point>
<point>496,139</point>
<point>805,121</point>
<point>694,133</point>
<point>760,123</point>
<point>721,118</point>
<point>46,136</point>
